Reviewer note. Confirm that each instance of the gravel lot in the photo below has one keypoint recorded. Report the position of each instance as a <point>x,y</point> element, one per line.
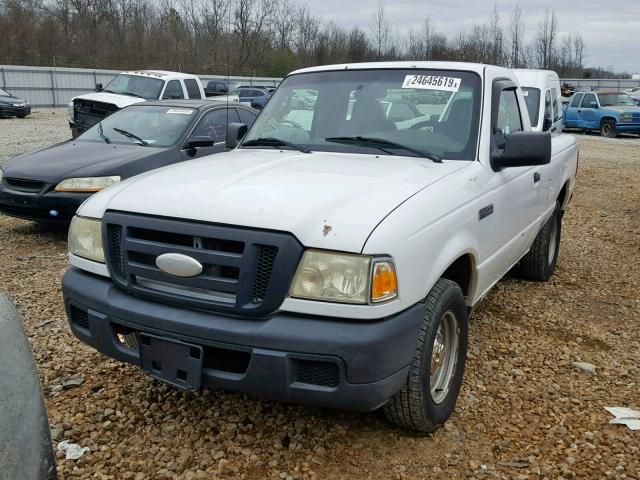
<point>524,411</point>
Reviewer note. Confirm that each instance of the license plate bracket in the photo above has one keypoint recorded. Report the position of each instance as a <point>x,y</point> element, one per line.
<point>172,361</point>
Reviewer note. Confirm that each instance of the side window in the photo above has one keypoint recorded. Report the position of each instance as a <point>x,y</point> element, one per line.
<point>509,119</point>
<point>173,90</point>
<point>246,117</point>
<point>557,110</point>
<point>192,88</point>
<point>589,101</point>
<point>214,124</point>
<point>548,112</point>
<point>576,100</point>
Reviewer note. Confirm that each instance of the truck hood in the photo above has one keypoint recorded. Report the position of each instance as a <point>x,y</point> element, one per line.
<point>75,159</point>
<point>327,200</point>
<point>119,101</point>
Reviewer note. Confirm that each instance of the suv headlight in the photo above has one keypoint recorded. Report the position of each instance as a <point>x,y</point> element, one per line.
<point>626,117</point>
<point>1,175</point>
<point>86,184</point>
<point>70,111</point>
<point>344,278</point>
<point>85,238</point>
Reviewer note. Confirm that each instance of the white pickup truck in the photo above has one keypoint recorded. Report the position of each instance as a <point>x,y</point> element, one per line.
<point>334,255</point>
<point>128,88</point>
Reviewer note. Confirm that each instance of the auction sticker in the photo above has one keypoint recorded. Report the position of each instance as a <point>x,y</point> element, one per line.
<point>180,111</point>
<point>432,82</point>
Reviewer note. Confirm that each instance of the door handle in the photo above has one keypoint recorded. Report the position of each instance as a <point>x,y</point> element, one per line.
<point>536,177</point>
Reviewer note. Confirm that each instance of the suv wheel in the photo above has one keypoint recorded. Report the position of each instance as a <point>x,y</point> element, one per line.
<point>429,395</point>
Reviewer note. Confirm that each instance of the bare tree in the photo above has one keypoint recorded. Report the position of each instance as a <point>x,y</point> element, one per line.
<point>381,30</point>
<point>516,59</point>
<point>545,40</point>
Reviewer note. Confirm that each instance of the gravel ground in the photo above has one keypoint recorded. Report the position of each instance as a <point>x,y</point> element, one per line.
<point>524,411</point>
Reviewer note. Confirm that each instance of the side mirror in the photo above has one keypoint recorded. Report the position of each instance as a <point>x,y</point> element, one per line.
<point>199,142</point>
<point>175,96</point>
<point>593,104</point>
<point>235,132</point>
<point>523,149</point>
<point>98,87</point>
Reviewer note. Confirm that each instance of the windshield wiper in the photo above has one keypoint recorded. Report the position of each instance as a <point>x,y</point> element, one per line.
<point>274,142</point>
<point>383,145</point>
<point>130,136</point>
<point>101,133</point>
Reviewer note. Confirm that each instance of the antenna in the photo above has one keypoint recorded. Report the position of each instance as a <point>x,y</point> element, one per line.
<point>228,59</point>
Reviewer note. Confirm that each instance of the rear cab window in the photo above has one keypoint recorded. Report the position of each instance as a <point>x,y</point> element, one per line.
<point>193,90</point>
<point>577,98</point>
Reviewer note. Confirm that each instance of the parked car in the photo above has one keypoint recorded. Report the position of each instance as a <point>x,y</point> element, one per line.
<point>254,97</point>
<point>216,88</point>
<point>335,262</point>
<point>128,88</point>
<point>609,112</point>
<point>12,106</point>
<point>50,184</point>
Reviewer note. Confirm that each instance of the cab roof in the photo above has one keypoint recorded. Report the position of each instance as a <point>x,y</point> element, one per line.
<point>462,66</point>
<point>161,74</point>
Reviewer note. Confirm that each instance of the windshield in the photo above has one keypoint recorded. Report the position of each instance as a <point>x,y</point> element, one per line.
<point>615,99</point>
<point>135,85</point>
<point>532,99</point>
<point>152,126</point>
<point>430,111</point>
<point>3,93</point>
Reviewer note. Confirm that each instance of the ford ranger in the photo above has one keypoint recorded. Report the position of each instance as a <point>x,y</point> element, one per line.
<point>334,256</point>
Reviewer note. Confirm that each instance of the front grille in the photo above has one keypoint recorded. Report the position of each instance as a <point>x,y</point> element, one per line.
<point>324,374</point>
<point>24,185</point>
<point>245,272</point>
<point>87,113</point>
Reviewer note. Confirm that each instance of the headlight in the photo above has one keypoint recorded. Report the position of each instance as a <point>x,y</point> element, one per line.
<point>1,175</point>
<point>85,238</point>
<point>86,184</point>
<point>626,117</point>
<point>344,278</point>
<point>70,110</point>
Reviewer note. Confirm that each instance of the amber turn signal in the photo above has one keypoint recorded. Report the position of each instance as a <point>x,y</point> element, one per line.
<point>384,285</point>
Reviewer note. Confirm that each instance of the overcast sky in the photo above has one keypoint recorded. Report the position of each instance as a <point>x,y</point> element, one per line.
<point>611,29</point>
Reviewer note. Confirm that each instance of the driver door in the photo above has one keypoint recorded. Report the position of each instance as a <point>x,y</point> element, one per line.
<point>213,124</point>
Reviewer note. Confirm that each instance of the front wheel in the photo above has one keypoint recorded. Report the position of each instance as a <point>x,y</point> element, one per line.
<point>431,390</point>
<point>608,129</point>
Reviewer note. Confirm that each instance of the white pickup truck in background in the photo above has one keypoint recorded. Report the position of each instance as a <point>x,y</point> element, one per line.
<point>128,88</point>
<point>333,257</point>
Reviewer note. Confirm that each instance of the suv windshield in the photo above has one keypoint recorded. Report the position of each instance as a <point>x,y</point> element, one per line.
<point>532,99</point>
<point>615,99</point>
<point>143,125</point>
<point>430,111</point>
<point>135,85</point>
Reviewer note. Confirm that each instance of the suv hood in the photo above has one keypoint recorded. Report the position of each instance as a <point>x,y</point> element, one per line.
<point>119,101</point>
<point>12,100</point>
<point>327,200</point>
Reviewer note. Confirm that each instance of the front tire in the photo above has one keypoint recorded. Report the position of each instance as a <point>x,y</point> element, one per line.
<point>608,129</point>
<point>431,390</point>
<point>540,262</point>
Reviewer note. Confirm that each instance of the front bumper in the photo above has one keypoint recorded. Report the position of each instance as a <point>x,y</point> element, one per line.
<point>39,207</point>
<point>11,111</point>
<point>302,359</point>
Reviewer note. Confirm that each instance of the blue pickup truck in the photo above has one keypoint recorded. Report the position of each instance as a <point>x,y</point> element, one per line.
<point>611,113</point>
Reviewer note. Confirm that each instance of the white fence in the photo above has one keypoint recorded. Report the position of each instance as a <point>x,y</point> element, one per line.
<point>54,87</point>
<point>611,84</point>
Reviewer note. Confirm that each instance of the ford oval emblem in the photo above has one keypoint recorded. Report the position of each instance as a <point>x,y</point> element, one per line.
<point>179,265</point>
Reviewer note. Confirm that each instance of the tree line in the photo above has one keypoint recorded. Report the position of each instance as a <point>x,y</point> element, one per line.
<point>259,37</point>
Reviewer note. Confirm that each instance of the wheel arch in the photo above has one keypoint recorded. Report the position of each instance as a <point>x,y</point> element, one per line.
<point>462,271</point>
<point>608,117</point>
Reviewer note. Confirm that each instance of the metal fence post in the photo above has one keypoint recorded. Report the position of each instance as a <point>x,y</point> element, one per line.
<point>53,87</point>
<point>4,78</point>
